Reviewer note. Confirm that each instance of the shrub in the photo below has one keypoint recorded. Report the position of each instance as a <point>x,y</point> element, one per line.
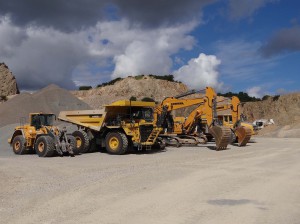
<point>133,98</point>
<point>85,87</point>
<point>109,83</point>
<point>276,97</point>
<point>148,99</point>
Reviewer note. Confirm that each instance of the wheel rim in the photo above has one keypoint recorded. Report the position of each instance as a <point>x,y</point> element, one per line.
<point>41,146</point>
<point>114,143</point>
<point>78,142</point>
<point>17,146</point>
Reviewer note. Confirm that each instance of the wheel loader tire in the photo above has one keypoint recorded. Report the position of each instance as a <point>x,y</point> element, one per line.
<point>82,141</point>
<point>18,145</point>
<point>72,142</point>
<point>116,143</point>
<point>44,146</point>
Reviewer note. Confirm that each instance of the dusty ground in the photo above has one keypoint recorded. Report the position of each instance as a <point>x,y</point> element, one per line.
<point>256,184</point>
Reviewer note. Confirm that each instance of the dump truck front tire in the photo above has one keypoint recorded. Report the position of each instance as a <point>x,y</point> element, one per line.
<point>44,146</point>
<point>18,145</point>
<point>82,141</point>
<point>116,143</point>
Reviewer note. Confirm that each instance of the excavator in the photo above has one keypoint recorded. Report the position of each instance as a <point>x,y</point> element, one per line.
<point>242,131</point>
<point>197,121</point>
<point>186,133</point>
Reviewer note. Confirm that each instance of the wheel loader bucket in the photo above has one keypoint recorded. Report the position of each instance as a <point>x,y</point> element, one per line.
<point>222,136</point>
<point>243,135</point>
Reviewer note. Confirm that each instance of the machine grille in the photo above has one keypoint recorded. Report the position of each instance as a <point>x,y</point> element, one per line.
<point>145,131</point>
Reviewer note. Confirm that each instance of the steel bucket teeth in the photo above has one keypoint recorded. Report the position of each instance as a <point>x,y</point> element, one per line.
<point>222,136</point>
<point>243,135</point>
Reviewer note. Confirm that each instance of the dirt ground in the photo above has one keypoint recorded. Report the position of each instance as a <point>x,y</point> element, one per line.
<point>259,183</point>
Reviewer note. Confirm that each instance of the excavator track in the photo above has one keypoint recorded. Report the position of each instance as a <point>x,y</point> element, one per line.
<point>222,136</point>
<point>243,135</point>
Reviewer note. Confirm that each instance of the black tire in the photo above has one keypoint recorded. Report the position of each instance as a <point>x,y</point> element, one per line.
<point>18,145</point>
<point>93,146</point>
<point>233,138</point>
<point>82,141</point>
<point>116,143</point>
<point>44,146</point>
<point>72,142</point>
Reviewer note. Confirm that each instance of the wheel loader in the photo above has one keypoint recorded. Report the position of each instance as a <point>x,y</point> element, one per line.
<point>119,126</point>
<point>176,134</point>
<point>41,136</point>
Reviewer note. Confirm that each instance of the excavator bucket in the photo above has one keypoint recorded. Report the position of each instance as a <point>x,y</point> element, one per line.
<point>243,135</point>
<point>222,136</point>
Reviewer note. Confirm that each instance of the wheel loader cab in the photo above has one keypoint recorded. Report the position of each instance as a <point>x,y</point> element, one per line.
<point>39,120</point>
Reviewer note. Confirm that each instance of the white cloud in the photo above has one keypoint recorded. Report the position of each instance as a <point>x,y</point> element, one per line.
<point>200,72</point>
<point>149,51</point>
<point>255,91</point>
<point>40,56</point>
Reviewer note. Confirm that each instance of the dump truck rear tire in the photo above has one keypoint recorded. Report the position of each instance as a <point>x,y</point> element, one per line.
<point>82,141</point>
<point>44,146</point>
<point>18,145</point>
<point>116,143</point>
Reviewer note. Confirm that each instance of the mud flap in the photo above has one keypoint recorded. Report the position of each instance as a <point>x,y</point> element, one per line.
<point>243,135</point>
<point>222,136</point>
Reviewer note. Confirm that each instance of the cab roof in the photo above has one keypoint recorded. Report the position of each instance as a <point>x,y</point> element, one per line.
<point>128,103</point>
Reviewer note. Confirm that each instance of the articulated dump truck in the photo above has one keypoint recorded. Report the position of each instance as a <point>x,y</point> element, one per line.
<point>118,127</point>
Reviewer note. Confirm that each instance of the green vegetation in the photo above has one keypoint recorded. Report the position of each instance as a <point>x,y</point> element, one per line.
<point>265,97</point>
<point>148,99</point>
<point>139,77</point>
<point>162,77</point>
<point>244,97</point>
<point>110,82</point>
<point>276,97</point>
<point>133,98</point>
<point>85,87</point>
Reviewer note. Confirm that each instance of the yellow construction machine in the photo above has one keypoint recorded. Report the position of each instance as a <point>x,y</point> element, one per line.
<point>241,131</point>
<point>229,114</point>
<point>184,130</point>
<point>117,127</point>
<point>42,137</point>
<point>197,123</point>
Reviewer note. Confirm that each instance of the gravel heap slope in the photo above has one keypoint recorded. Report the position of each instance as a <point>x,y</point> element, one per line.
<point>50,99</point>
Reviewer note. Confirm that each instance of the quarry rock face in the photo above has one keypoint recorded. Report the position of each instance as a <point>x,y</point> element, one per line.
<point>131,87</point>
<point>8,83</point>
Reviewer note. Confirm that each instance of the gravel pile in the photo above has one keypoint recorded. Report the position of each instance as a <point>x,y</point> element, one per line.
<point>51,99</point>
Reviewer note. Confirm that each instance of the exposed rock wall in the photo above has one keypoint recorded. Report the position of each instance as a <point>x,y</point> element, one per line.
<point>285,110</point>
<point>124,89</point>
<point>8,83</point>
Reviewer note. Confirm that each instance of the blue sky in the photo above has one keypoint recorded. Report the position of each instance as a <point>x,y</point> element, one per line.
<point>232,45</point>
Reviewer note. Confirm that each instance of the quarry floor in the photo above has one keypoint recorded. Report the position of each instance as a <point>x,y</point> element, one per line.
<point>259,183</point>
